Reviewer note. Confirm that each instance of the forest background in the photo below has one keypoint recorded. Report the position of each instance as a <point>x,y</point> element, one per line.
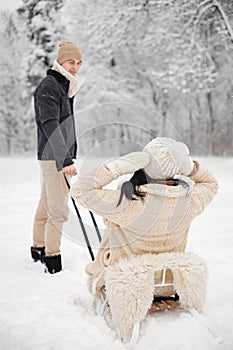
<point>150,68</point>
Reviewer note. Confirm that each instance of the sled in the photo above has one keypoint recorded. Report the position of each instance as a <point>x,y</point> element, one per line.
<point>135,287</point>
<point>162,303</point>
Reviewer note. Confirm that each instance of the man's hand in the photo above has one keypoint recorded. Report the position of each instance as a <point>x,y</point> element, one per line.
<point>69,170</point>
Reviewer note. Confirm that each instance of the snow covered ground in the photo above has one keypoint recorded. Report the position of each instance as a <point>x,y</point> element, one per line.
<point>40,311</point>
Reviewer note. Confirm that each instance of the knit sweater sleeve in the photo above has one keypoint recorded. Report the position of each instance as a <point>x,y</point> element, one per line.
<point>205,188</point>
<point>88,191</point>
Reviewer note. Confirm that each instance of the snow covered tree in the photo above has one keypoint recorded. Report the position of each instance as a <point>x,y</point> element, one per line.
<point>164,67</point>
<point>160,55</point>
<point>43,30</point>
<point>15,128</point>
<point>212,22</point>
<point>29,37</point>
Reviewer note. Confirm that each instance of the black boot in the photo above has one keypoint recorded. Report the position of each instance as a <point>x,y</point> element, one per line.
<point>37,253</point>
<point>52,263</point>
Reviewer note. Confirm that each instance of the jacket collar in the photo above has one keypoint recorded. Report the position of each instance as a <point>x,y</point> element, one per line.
<point>60,78</point>
<point>163,190</point>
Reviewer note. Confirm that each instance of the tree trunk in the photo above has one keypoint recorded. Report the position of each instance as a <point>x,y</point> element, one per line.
<point>211,124</point>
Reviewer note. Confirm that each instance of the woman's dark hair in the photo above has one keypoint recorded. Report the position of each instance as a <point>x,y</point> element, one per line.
<point>129,188</point>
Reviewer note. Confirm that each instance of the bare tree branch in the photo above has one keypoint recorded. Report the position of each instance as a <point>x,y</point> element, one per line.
<point>225,18</point>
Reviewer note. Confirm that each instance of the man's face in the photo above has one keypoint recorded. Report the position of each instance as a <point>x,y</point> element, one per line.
<point>72,66</point>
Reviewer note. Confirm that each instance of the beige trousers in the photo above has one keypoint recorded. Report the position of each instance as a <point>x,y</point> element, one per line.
<point>52,209</point>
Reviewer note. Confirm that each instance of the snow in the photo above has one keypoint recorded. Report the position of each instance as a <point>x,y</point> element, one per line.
<point>48,312</point>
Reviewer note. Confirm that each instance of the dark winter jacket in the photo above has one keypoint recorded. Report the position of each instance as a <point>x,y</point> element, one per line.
<point>55,120</point>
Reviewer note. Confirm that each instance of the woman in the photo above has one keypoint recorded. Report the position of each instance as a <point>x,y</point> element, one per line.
<point>150,213</point>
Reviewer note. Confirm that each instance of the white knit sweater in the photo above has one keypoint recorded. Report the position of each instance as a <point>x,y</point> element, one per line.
<point>156,223</point>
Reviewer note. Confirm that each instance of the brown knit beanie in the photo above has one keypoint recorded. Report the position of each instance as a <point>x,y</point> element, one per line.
<point>67,51</point>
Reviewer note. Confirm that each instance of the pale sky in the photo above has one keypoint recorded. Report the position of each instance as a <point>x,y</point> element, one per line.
<point>9,4</point>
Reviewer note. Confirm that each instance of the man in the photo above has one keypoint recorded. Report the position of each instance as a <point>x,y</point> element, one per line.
<point>56,151</point>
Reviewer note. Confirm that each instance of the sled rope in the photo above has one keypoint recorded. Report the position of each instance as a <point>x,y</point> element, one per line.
<point>81,223</point>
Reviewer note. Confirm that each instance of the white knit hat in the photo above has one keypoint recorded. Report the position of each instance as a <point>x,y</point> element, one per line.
<point>168,157</point>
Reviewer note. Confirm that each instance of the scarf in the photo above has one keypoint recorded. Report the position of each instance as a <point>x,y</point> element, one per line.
<point>75,81</point>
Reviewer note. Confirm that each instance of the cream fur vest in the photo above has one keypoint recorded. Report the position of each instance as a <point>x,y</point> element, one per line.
<point>129,286</point>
